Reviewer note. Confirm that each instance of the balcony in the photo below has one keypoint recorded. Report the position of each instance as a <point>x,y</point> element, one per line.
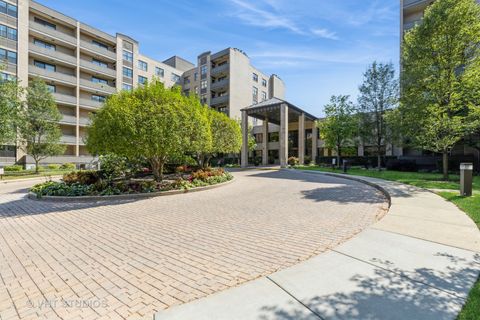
<point>65,99</point>
<point>219,100</point>
<point>98,69</point>
<point>37,27</point>
<point>7,43</point>
<point>105,88</point>
<point>10,67</point>
<point>7,19</point>
<point>98,50</point>
<point>68,139</point>
<point>224,68</point>
<point>52,54</point>
<point>222,84</point>
<point>51,75</point>
<point>68,119</point>
<point>90,104</point>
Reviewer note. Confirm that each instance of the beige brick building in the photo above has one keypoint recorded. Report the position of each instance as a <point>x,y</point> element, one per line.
<point>83,66</point>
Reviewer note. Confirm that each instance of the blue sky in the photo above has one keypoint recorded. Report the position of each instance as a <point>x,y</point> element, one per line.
<point>318,47</point>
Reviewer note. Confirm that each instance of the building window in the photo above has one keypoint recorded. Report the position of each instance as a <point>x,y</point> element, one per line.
<point>126,87</point>
<point>44,44</point>
<point>203,71</point>
<point>186,80</point>
<point>255,95</point>
<point>45,23</point>
<point>195,76</point>
<point>273,137</point>
<point>264,82</point>
<point>255,77</point>
<point>6,77</point>
<point>127,56</point>
<point>196,90</point>
<point>8,8</point>
<point>142,80</point>
<point>159,72</point>
<point>7,32</point>
<point>99,80</point>
<point>100,63</point>
<point>264,96</point>
<point>186,92</point>
<point>127,72</point>
<point>223,110</point>
<point>142,65</point>
<point>203,98</point>
<point>46,66</point>
<point>100,44</point>
<point>96,97</point>
<point>175,78</point>
<point>51,88</point>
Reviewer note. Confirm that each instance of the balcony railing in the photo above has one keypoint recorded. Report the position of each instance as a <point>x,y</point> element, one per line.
<point>7,43</point>
<point>407,3</point>
<point>66,118</point>
<point>53,33</point>
<point>65,98</point>
<point>10,67</point>
<point>6,19</point>
<point>98,50</point>
<point>219,84</point>
<point>97,86</point>
<point>219,100</point>
<point>52,75</point>
<point>53,54</point>
<point>99,69</point>
<point>223,68</point>
<point>91,104</point>
<point>68,139</point>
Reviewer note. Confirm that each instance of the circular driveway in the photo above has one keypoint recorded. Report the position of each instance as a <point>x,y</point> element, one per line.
<point>129,259</point>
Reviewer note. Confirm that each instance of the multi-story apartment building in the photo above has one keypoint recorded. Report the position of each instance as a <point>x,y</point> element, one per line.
<point>228,82</point>
<point>82,66</point>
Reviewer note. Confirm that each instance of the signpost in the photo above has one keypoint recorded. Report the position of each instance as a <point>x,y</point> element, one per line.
<point>466,179</point>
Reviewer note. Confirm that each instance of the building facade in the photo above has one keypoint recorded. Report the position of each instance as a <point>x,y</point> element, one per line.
<point>83,65</point>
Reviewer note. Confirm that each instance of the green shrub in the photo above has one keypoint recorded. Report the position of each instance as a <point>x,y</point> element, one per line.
<point>87,177</point>
<point>293,161</point>
<point>52,188</point>
<point>53,166</point>
<point>13,168</point>
<point>68,166</point>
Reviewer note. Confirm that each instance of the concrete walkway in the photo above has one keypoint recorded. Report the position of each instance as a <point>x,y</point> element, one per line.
<point>418,262</point>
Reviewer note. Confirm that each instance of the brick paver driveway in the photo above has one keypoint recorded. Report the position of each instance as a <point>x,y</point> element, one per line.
<point>119,260</point>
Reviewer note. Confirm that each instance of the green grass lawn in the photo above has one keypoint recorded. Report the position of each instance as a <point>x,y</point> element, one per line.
<point>422,180</point>
<point>12,175</point>
<point>470,205</point>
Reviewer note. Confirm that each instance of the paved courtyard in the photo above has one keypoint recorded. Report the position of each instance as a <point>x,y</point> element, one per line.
<point>123,260</point>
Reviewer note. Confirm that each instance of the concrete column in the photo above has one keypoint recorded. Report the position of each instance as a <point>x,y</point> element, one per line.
<point>265,142</point>
<point>283,152</point>
<point>301,139</point>
<point>77,93</point>
<point>244,154</point>
<point>314,142</point>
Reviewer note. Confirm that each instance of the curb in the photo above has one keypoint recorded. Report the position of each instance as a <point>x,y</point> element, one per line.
<point>133,196</point>
<point>30,179</point>
<point>354,178</point>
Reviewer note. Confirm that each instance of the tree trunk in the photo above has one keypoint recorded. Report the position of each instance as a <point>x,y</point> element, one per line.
<point>207,162</point>
<point>339,151</point>
<point>36,166</point>
<point>445,165</point>
<point>379,162</point>
<point>157,169</point>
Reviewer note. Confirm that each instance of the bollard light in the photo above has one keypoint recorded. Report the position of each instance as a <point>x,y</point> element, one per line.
<point>466,179</point>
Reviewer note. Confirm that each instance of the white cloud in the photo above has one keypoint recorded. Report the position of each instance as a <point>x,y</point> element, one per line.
<point>325,33</point>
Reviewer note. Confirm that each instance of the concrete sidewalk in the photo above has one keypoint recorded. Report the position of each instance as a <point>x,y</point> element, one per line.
<point>418,262</point>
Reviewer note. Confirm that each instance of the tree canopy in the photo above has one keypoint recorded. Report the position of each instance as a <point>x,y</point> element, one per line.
<point>441,77</point>
<point>10,104</point>
<point>340,124</point>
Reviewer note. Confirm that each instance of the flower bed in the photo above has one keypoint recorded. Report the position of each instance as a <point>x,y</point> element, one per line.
<point>91,183</point>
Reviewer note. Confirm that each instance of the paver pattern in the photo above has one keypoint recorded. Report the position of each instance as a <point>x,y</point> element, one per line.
<point>129,259</point>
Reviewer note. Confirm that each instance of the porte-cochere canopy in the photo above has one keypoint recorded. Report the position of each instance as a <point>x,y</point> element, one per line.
<point>285,115</point>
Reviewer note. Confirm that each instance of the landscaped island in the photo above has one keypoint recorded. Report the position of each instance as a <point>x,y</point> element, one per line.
<point>99,183</point>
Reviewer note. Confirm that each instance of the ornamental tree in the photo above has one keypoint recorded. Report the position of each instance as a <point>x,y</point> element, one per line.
<point>10,105</point>
<point>340,124</point>
<point>378,95</point>
<point>441,76</point>
<point>38,123</point>
<point>151,121</point>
